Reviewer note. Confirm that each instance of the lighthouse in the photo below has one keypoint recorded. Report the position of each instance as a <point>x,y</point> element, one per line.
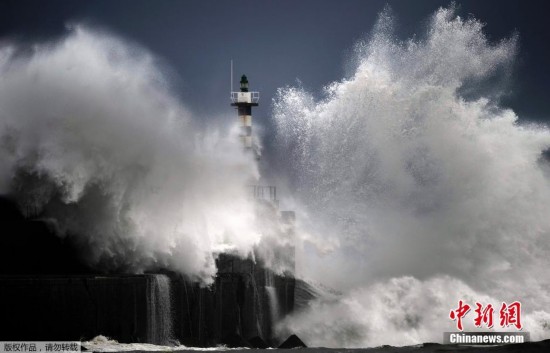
<point>244,101</point>
<point>267,204</point>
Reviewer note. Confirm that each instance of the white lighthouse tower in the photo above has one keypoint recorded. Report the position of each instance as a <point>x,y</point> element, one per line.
<point>265,195</point>
<point>244,101</point>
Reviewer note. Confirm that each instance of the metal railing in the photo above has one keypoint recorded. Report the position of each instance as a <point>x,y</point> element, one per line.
<point>267,192</point>
<point>254,97</point>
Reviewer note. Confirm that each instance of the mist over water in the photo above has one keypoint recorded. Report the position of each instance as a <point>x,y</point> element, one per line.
<point>431,190</point>
<point>92,138</point>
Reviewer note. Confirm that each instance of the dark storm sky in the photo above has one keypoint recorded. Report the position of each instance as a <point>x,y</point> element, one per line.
<point>277,42</point>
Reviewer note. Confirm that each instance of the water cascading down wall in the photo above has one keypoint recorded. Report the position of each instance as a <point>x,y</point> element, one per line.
<point>152,308</point>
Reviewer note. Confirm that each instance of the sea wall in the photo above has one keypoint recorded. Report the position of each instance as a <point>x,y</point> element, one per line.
<point>238,306</point>
<point>47,293</point>
<point>74,307</point>
<point>243,303</point>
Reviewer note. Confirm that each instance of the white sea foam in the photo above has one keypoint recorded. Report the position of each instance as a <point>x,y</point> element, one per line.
<point>431,190</point>
<point>104,344</point>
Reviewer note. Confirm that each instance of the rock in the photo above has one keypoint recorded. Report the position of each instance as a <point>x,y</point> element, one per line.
<point>293,342</point>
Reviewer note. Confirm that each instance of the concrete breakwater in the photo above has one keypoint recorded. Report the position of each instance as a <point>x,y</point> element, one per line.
<point>152,308</point>
<point>47,293</point>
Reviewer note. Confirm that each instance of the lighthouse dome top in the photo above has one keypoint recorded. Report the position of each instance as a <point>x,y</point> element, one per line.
<point>244,96</point>
<point>244,83</point>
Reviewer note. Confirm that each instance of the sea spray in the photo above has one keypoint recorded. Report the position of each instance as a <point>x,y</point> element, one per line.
<point>92,138</point>
<point>433,195</point>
